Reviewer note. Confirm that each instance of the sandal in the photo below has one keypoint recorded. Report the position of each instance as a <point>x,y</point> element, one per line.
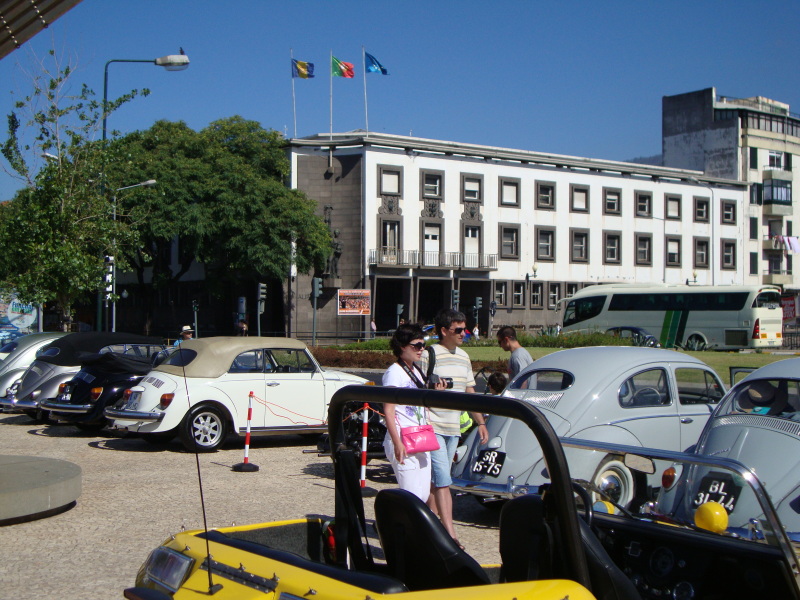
<point>459,544</point>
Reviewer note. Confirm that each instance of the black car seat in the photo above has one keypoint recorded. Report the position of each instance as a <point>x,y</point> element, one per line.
<point>418,550</point>
<point>529,549</point>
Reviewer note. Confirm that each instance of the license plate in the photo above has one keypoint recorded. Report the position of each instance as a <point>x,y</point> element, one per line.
<point>133,402</point>
<point>718,487</point>
<point>489,462</point>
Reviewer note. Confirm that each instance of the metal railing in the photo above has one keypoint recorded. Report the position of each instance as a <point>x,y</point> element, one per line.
<point>393,257</point>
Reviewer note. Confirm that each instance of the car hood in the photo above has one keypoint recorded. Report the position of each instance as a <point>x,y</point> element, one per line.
<point>768,446</point>
<point>345,378</point>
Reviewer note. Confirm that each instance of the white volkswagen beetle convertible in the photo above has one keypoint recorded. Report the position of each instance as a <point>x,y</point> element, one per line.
<point>201,392</point>
<point>645,397</point>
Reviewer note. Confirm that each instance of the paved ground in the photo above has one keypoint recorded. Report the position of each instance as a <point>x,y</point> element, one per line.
<point>134,495</point>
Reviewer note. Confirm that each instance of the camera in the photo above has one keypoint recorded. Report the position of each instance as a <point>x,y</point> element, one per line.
<point>435,379</point>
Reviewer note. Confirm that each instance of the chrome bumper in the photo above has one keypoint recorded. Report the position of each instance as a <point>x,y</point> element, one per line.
<point>488,489</point>
<point>56,406</point>
<point>16,405</point>
<point>130,415</point>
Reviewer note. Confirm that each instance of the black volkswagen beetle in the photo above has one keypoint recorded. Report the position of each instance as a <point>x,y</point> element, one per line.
<point>101,382</point>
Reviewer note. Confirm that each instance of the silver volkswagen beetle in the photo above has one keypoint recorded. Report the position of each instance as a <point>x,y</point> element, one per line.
<point>19,354</point>
<point>643,397</point>
<point>757,424</point>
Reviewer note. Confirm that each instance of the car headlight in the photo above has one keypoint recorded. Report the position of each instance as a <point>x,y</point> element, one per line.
<point>167,568</point>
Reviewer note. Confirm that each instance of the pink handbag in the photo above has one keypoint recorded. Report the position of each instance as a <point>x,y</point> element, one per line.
<point>419,438</point>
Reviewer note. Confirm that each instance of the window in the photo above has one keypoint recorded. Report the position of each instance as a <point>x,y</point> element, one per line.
<point>777,191</point>
<point>612,241</point>
<point>697,386</point>
<point>753,228</point>
<point>612,201</point>
<point>572,289</point>
<point>672,208</point>
<point>729,212</point>
<point>545,243</point>
<point>644,204</point>
<point>519,293</point>
<point>580,199</point>
<point>644,249</point>
<point>775,159</point>
<point>537,294</point>
<point>673,251</point>
<point>545,195</point>
<point>472,188</point>
<point>553,295</point>
<point>648,388</point>
<point>728,254</point>
<point>433,185</point>
<point>251,361</point>
<point>292,361</point>
<point>701,206</point>
<point>509,241</point>
<point>390,240</point>
<point>509,192</point>
<point>390,181</point>
<point>754,158</point>
<point>501,293</point>
<point>431,244</point>
<point>700,253</point>
<point>756,193</point>
<point>580,245</point>
<point>754,263</point>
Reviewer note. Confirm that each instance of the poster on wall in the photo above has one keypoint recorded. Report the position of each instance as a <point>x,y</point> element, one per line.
<point>354,302</point>
<point>789,304</point>
<point>16,318</point>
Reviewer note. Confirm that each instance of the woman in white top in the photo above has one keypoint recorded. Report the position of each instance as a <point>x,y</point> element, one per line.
<point>413,471</point>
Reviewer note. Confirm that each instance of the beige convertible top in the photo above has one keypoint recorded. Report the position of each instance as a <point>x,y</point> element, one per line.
<point>215,354</point>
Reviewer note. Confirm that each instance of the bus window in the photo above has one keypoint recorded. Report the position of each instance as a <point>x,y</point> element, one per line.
<point>767,299</point>
<point>583,309</point>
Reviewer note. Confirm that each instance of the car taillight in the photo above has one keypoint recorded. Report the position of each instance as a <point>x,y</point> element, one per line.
<point>757,330</point>
<point>668,478</point>
<point>126,394</point>
<point>95,393</point>
<point>166,400</point>
<point>61,388</point>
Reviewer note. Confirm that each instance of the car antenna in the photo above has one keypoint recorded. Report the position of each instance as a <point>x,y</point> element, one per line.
<point>213,588</point>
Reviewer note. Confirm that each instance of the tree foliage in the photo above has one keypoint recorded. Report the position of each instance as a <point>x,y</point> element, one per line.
<point>221,194</point>
<point>56,231</point>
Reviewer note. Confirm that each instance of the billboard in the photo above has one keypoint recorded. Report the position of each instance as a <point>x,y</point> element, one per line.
<point>354,302</point>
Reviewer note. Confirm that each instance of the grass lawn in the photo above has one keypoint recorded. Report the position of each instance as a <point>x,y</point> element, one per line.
<point>719,361</point>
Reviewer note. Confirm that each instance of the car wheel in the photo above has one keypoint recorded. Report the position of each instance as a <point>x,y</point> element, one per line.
<point>615,480</point>
<point>203,429</point>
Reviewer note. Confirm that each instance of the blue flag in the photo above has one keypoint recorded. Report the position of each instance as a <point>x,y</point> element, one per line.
<point>302,69</point>
<point>372,64</point>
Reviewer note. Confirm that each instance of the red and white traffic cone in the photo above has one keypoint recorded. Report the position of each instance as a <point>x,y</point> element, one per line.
<point>247,466</point>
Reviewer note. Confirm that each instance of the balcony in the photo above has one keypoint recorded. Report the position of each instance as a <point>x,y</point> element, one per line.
<point>777,277</point>
<point>773,242</point>
<point>393,257</point>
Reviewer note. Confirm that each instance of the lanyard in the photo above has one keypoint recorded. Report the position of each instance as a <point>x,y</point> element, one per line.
<point>411,374</point>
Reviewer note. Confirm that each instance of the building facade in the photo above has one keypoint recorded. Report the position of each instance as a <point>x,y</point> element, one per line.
<point>505,234</point>
<point>752,140</point>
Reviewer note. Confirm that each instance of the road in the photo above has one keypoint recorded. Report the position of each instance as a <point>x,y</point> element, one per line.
<point>135,494</point>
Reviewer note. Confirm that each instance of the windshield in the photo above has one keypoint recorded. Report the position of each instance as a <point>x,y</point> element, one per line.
<point>779,398</point>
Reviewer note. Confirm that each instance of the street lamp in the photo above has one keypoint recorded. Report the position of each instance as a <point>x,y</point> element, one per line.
<point>171,62</point>
<point>113,262</point>
<point>712,243</point>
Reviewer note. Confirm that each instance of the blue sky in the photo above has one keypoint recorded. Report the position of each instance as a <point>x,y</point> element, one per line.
<point>576,78</point>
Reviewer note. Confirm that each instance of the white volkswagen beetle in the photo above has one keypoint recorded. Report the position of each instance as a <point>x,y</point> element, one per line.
<point>640,397</point>
<point>201,391</point>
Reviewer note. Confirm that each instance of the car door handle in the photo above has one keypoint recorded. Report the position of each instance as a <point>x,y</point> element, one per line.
<point>272,383</point>
<point>687,420</point>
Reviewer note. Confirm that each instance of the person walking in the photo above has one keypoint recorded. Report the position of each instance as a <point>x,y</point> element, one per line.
<point>520,357</point>
<point>449,360</point>
<point>186,334</point>
<point>413,471</point>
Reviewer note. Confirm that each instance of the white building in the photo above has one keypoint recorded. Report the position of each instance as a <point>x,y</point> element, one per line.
<point>418,218</point>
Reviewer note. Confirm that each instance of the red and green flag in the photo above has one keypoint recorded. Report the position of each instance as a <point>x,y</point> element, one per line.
<point>340,68</point>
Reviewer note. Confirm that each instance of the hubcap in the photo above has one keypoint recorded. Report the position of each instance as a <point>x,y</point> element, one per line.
<point>207,429</point>
<point>611,484</point>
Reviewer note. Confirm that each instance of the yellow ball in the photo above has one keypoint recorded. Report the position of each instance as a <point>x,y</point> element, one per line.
<point>712,517</point>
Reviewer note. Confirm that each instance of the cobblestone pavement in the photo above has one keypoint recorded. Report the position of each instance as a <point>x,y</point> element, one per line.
<point>135,494</point>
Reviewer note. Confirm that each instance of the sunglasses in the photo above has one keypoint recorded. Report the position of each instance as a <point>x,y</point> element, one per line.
<point>418,346</point>
<point>458,330</point>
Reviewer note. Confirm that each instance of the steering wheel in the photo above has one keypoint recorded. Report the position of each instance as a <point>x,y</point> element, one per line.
<point>646,395</point>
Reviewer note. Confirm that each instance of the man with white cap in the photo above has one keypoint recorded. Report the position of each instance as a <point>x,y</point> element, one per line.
<point>186,334</point>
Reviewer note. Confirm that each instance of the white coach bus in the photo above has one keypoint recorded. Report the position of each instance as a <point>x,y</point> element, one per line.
<point>719,317</point>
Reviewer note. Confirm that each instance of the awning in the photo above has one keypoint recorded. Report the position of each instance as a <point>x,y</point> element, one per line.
<point>20,20</point>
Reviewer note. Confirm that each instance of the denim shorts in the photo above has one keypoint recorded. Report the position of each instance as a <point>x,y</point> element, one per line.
<point>442,460</point>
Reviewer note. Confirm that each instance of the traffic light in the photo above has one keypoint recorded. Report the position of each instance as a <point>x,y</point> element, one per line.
<point>262,297</point>
<point>478,303</point>
<point>316,287</point>
<point>109,277</point>
<point>400,309</point>
<point>492,307</point>
<point>195,305</point>
<point>455,297</point>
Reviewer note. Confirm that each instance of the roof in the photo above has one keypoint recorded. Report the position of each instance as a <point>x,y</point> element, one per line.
<point>23,19</point>
<point>71,349</point>
<point>215,354</point>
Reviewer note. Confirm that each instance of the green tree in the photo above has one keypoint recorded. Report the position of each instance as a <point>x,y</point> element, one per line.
<point>221,194</point>
<point>56,231</point>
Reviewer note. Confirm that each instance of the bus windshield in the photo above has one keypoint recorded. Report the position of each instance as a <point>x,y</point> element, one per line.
<point>582,309</point>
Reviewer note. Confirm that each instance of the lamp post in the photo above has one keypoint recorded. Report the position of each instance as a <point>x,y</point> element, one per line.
<point>113,262</point>
<point>170,62</point>
<point>711,244</point>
